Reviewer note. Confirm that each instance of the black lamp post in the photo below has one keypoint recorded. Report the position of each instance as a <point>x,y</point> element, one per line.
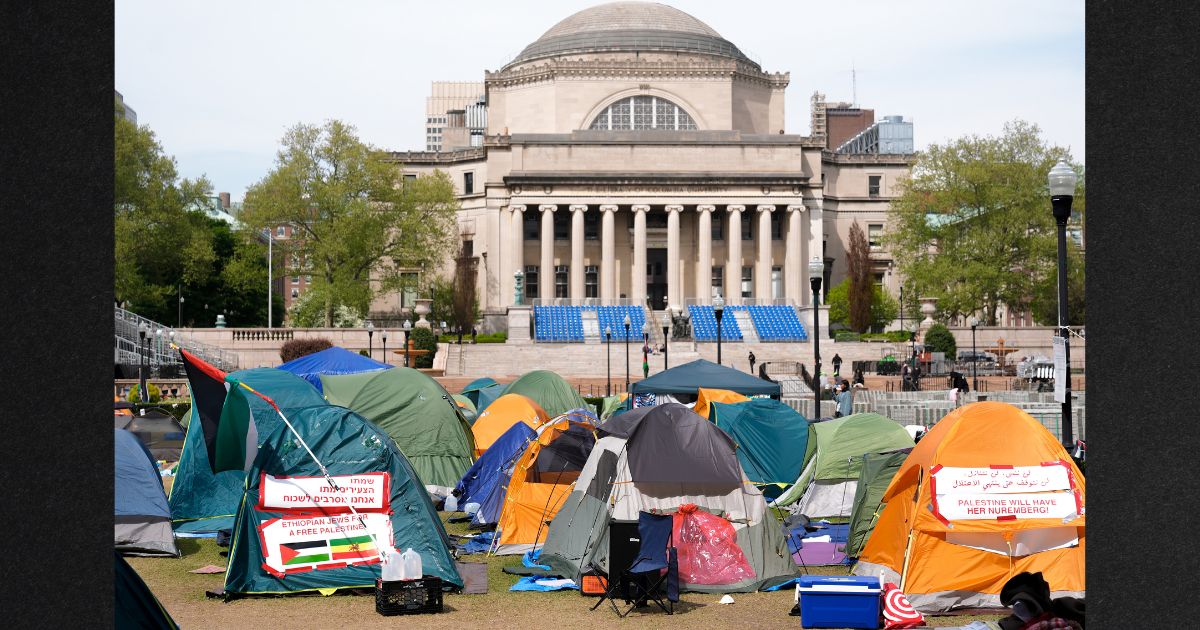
<point>1062,193</point>
<point>370,334</point>
<point>407,330</point>
<point>143,330</point>
<point>627,353</point>
<point>719,312</point>
<point>667,340</point>
<point>974,356</point>
<point>816,270</point>
<point>383,336</point>
<point>608,353</point>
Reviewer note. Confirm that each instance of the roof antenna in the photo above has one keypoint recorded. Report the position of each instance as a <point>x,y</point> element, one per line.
<point>853,85</point>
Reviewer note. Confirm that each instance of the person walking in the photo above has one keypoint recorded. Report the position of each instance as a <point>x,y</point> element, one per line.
<point>646,361</point>
<point>837,365</point>
<point>751,362</point>
<point>844,399</point>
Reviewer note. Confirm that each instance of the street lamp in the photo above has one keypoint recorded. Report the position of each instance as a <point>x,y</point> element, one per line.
<point>1062,193</point>
<point>158,337</point>
<point>974,357</point>
<point>719,312</point>
<point>370,334</point>
<point>383,336</point>
<point>816,270</point>
<point>407,330</point>
<point>270,275</point>
<point>627,353</point>
<point>143,330</point>
<point>608,352</point>
<point>667,338</point>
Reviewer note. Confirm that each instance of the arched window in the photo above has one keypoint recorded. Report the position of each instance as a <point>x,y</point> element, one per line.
<point>643,112</point>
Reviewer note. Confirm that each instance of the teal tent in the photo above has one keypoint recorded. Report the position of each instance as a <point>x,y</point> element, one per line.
<point>690,377</point>
<point>203,502</point>
<point>481,392</point>
<point>877,472</point>
<point>549,391</point>
<point>774,442</point>
<point>134,605</point>
<point>287,541</point>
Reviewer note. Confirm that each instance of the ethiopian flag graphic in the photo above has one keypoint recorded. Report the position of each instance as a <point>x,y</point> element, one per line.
<point>304,552</point>
<point>355,548</point>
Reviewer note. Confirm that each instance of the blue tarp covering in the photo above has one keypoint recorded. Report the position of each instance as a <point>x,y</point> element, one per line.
<point>541,583</point>
<point>484,482</point>
<point>137,486</point>
<point>333,360</point>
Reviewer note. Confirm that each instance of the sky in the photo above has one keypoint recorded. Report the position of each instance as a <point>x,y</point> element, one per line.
<point>219,81</point>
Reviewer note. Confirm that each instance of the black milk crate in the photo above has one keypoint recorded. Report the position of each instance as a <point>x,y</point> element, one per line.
<point>408,597</point>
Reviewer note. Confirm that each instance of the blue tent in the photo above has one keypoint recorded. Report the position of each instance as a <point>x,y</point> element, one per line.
<point>481,392</point>
<point>333,360</point>
<point>142,519</point>
<point>484,482</point>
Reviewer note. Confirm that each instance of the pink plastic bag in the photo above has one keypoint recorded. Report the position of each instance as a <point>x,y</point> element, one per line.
<point>707,547</point>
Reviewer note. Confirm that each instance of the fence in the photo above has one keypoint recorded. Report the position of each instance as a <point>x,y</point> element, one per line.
<point>129,348</point>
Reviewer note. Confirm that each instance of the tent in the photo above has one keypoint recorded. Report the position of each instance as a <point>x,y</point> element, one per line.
<point>690,377</point>
<point>419,415</point>
<point>706,396</point>
<point>482,391</point>
<point>659,459</point>
<point>540,479</point>
<point>333,360</point>
<point>158,430</point>
<point>134,605</point>
<point>506,411</point>
<point>877,472</point>
<point>826,487</point>
<point>774,442</point>
<point>485,482</point>
<point>987,493</point>
<point>548,390</point>
<point>610,405</point>
<point>142,520</point>
<point>466,407</point>
<point>295,533</point>
<point>204,502</point>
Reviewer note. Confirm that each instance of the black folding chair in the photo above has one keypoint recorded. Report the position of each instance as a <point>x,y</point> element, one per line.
<point>656,568</point>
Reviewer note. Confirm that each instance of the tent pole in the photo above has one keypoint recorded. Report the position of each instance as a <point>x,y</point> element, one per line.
<point>908,543</point>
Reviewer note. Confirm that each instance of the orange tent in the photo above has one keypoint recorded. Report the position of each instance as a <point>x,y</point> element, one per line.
<point>501,415</point>
<point>707,396</point>
<point>988,493</point>
<point>541,479</point>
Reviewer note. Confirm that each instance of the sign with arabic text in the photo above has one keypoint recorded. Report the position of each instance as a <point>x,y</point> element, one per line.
<point>1000,480</point>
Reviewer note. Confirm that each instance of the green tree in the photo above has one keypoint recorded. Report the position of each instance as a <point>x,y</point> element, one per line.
<point>884,308</point>
<point>356,219</point>
<point>1045,293</point>
<point>973,225</point>
<point>159,243</point>
<point>939,339</point>
<point>860,293</point>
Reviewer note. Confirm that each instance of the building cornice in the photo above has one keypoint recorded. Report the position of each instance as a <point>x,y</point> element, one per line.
<point>886,159</point>
<point>797,181</point>
<point>436,157</point>
<point>634,69</point>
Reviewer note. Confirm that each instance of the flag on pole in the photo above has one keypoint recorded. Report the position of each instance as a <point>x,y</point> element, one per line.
<point>236,443</point>
<point>208,388</point>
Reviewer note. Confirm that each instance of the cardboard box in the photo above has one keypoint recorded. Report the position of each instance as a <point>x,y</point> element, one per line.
<point>830,601</point>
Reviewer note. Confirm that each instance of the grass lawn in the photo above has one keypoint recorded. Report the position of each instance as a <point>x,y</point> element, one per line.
<point>182,594</point>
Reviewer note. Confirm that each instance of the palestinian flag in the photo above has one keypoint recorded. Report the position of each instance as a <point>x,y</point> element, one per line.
<point>353,548</point>
<point>207,385</point>
<point>236,443</point>
<point>304,552</point>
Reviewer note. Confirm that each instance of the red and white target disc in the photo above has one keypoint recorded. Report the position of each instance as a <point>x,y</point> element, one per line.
<point>897,612</point>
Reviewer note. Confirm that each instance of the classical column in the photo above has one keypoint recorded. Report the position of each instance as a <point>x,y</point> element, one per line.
<point>816,239</point>
<point>546,272</point>
<point>608,253</point>
<point>762,267</point>
<point>733,266</point>
<point>637,274</point>
<point>704,245</point>
<point>674,286</point>
<point>576,287</point>
<point>794,267</point>
<point>516,236</point>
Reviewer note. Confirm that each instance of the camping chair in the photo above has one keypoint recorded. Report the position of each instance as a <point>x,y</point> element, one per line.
<point>644,580</point>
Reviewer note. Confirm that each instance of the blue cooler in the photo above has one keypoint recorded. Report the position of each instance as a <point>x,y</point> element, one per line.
<point>831,601</point>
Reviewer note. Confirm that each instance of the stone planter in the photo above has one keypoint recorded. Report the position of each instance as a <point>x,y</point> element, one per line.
<point>928,309</point>
<point>422,309</point>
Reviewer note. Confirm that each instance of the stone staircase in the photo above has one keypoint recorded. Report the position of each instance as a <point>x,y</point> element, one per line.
<point>746,323</point>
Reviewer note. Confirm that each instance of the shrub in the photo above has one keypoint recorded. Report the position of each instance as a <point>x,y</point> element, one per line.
<point>423,339</point>
<point>499,337</point>
<point>846,335</point>
<point>135,396</point>
<point>939,339</point>
<point>296,348</point>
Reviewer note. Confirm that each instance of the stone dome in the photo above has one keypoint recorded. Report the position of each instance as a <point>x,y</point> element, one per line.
<point>627,27</point>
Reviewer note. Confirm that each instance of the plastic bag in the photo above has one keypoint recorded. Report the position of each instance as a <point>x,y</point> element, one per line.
<point>707,548</point>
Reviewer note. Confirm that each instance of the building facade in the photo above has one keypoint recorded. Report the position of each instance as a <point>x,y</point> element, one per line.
<point>632,153</point>
<point>445,97</point>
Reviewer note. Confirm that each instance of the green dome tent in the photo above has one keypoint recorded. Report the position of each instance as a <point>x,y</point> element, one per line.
<point>549,391</point>
<point>292,535</point>
<point>827,485</point>
<point>417,413</point>
<point>774,441</point>
<point>877,472</point>
<point>203,502</point>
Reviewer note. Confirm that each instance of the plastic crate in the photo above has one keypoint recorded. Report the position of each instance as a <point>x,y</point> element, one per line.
<point>408,597</point>
<point>593,585</point>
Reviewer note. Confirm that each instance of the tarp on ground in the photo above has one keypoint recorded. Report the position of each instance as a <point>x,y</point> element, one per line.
<point>485,482</point>
<point>142,518</point>
<point>503,413</point>
<point>204,502</point>
<point>418,414</point>
<point>134,605</point>
<point>690,377</point>
<point>954,543</point>
<point>287,541</point>
<point>549,391</point>
<point>877,472</point>
<point>331,361</point>
<point>608,489</point>
<point>774,441</point>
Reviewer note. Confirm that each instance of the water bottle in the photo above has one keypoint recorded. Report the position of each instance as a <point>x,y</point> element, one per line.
<point>471,508</point>
<point>451,504</point>
<point>410,562</point>
<point>393,566</point>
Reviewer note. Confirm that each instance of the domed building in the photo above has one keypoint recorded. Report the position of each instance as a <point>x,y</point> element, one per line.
<point>633,155</point>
